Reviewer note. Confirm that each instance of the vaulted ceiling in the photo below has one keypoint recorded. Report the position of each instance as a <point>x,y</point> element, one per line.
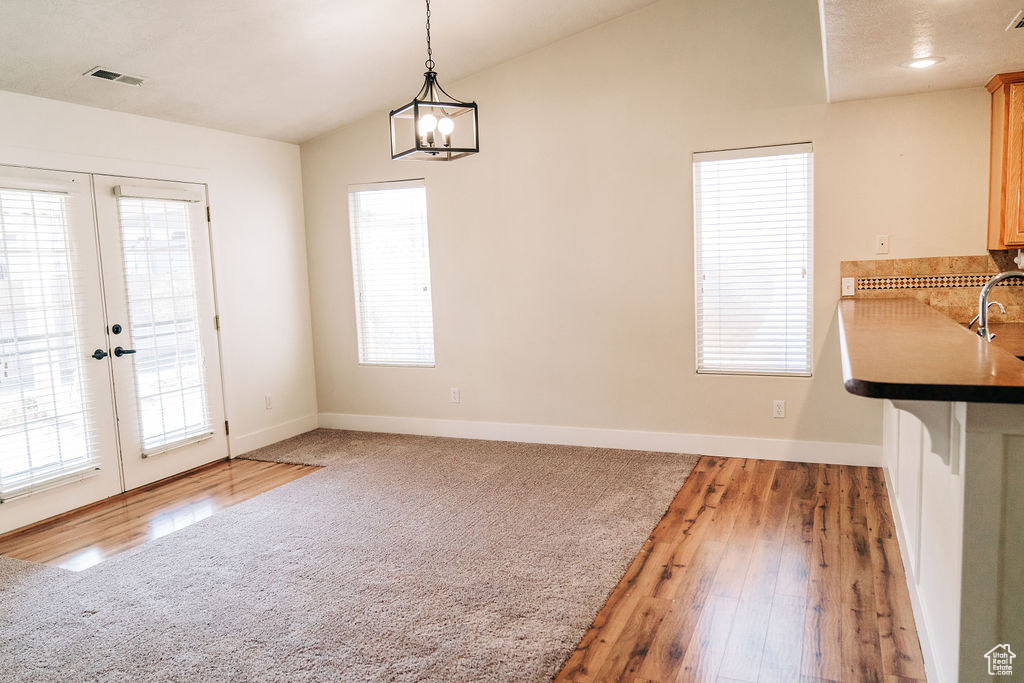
<point>291,70</point>
<point>282,69</point>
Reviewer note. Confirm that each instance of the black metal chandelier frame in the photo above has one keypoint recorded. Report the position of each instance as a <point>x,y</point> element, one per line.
<point>430,100</point>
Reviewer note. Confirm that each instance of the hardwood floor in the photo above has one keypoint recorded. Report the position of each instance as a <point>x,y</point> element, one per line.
<point>82,538</point>
<point>761,570</point>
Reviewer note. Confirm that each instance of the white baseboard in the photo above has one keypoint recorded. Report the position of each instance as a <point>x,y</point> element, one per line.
<point>927,650</point>
<point>243,443</point>
<point>671,442</point>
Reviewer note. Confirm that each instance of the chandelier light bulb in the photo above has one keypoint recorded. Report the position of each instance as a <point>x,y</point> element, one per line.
<point>428,122</point>
<point>446,126</point>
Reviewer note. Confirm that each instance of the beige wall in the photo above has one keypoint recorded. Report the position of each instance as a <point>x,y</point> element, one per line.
<point>562,254</point>
<point>259,248</point>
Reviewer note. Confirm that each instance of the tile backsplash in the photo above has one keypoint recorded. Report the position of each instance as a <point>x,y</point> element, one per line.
<point>949,284</point>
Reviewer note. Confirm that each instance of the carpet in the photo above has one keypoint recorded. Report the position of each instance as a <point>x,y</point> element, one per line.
<point>405,558</point>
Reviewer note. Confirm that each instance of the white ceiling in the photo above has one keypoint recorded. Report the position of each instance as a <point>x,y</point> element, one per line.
<point>866,41</point>
<point>293,69</point>
<point>282,69</point>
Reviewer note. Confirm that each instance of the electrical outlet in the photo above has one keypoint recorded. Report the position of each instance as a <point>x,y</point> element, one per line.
<point>849,286</point>
<point>455,396</point>
<point>267,402</point>
<point>778,408</point>
<point>881,244</point>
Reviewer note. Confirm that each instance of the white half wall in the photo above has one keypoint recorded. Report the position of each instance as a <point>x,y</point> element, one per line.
<point>259,244</point>
<point>951,470</point>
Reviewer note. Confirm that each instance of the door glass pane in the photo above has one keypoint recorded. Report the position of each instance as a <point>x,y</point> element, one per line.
<point>163,316</point>
<point>44,419</point>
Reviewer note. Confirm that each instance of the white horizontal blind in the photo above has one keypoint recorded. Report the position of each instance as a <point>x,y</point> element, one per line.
<point>163,312</point>
<point>753,224</point>
<point>391,268</point>
<point>46,430</point>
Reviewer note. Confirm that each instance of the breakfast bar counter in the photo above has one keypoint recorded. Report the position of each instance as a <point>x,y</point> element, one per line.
<point>902,349</point>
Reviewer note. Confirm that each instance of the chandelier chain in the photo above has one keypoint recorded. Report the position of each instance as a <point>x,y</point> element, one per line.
<point>430,53</point>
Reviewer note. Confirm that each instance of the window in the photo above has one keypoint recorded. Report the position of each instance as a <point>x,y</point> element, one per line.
<point>163,309</point>
<point>45,431</point>
<point>753,228</point>
<point>391,269</point>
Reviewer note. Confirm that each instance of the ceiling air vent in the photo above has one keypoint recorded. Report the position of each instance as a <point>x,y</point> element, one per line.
<point>1018,21</point>
<point>108,75</point>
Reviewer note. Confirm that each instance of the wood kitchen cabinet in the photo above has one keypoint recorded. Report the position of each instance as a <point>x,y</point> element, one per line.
<point>1005,208</point>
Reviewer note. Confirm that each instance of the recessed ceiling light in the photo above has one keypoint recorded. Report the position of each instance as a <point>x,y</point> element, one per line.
<point>923,62</point>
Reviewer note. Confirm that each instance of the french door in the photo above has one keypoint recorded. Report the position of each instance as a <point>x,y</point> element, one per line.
<point>57,425</point>
<point>109,363</point>
<point>158,284</point>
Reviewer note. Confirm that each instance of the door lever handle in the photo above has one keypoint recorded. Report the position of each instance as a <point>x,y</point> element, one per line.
<point>99,354</point>
<point>121,351</point>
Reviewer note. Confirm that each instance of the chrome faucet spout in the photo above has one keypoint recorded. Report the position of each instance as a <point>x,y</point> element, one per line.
<point>1002,309</point>
<point>983,303</point>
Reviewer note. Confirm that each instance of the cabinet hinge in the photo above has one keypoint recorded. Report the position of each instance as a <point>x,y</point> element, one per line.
<point>227,429</point>
<point>216,322</point>
<point>207,213</point>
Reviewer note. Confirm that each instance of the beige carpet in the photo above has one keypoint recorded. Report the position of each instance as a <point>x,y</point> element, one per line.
<point>405,558</point>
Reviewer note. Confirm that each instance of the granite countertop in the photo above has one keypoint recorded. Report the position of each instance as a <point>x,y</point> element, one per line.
<point>903,349</point>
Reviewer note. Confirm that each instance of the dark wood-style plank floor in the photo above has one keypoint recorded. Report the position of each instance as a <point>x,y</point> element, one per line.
<point>761,571</point>
<point>84,537</point>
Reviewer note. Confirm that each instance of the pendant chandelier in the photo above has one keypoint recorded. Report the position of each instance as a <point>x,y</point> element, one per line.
<point>434,126</point>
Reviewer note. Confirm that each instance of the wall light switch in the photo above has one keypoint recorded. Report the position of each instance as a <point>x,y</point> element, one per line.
<point>849,286</point>
<point>881,244</point>
<point>268,402</point>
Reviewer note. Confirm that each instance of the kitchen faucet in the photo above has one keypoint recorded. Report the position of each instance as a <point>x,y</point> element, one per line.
<point>983,302</point>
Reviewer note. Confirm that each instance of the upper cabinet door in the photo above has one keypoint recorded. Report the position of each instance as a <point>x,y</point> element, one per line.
<point>158,279</point>
<point>1014,217</point>
<point>1006,210</point>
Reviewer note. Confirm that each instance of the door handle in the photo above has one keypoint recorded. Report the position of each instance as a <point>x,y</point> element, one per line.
<point>99,354</point>
<point>121,351</point>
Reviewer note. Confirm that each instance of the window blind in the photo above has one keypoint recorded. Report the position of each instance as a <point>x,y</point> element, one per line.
<point>391,270</point>
<point>160,286</point>
<point>46,431</point>
<point>753,229</point>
